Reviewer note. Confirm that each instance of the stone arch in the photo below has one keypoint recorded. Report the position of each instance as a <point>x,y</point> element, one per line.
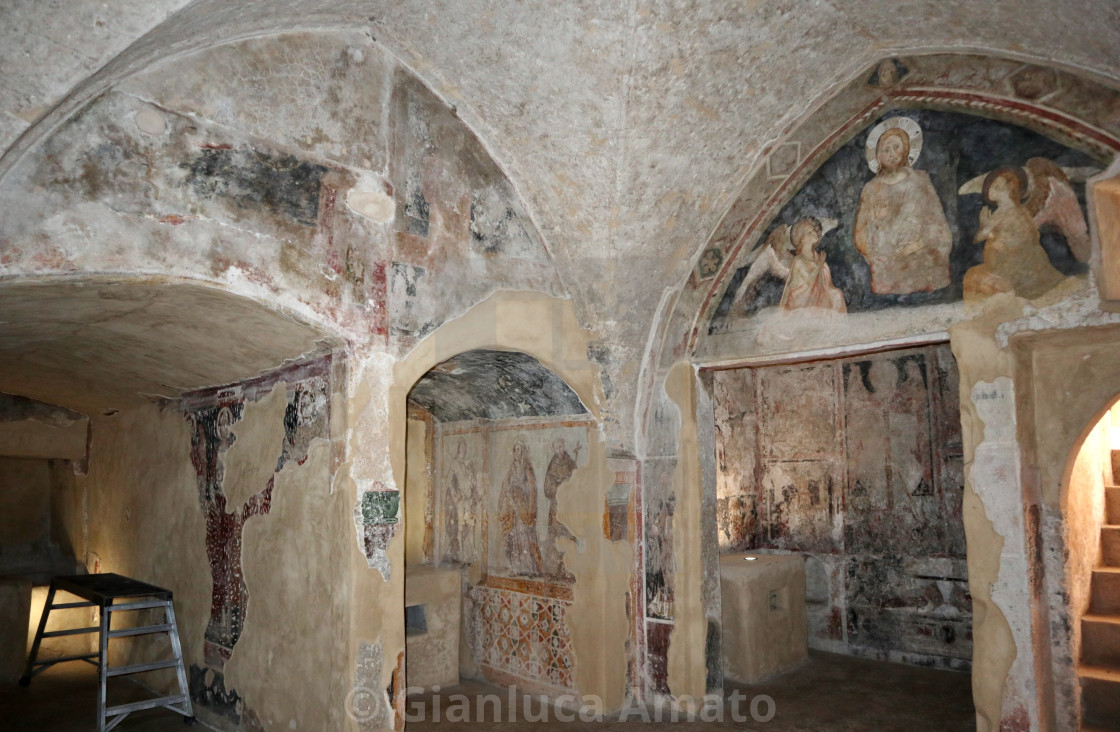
<point>1051,101</point>
<point>546,329</point>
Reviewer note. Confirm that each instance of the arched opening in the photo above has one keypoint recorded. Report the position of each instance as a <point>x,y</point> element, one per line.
<point>838,504</point>
<point>185,433</point>
<point>1091,520</point>
<point>494,440</point>
<point>749,308</point>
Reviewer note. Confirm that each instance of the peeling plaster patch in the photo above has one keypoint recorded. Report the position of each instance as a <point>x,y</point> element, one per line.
<point>367,703</point>
<point>376,206</point>
<point>150,122</point>
<point>208,689</point>
<point>995,475</point>
<point>1081,311</point>
<point>376,517</point>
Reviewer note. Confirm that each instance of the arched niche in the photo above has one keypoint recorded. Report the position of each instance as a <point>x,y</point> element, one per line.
<point>1064,107</point>
<point>528,341</point>
<point>494,440</point>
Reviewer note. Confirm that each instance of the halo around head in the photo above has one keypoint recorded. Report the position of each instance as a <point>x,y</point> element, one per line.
<point>912,129</point>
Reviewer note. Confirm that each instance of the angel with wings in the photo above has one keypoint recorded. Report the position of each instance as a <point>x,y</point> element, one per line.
<point>790,254</point>
<point>1021,201</point>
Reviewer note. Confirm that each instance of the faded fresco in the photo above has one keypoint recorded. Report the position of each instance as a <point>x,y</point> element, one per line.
<point>213,416</point>
<point>461,490</point>
<point>921,208</point>
<point>497,486</point>
<point>526,499</point>
<point>460,229</point>
<point>857,464</point>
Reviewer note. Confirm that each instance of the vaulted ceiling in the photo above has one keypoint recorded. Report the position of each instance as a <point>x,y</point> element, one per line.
<point>627,128</point>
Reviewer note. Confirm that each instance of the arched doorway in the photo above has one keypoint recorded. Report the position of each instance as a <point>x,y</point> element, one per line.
<point>498,437</point>
<point>1091,526</point>
<point>541,333</point>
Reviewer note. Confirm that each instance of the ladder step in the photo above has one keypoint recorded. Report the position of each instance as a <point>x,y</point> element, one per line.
<point>161,701</point>
<point>71,631</point>
<point>63,659</point>
<point>137,605</point>
<point>141,630</point>
<point>141,667</point>
<point>65,605</point>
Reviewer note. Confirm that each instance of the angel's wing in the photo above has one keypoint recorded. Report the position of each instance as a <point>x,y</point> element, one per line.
<point>773,257</point>
<point>1053,202</point>
<point>976,185</point>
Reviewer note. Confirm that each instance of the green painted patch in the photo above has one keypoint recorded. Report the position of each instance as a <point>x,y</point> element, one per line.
<point>380,507</point>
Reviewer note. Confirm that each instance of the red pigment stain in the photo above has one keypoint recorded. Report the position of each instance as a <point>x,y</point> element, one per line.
<point>173,219</point>
<point>325,235</point>
<point>835,623</point>
<point>255,275</point>
<point>379,294</point>
<point>1016,721</point>
<point>215,146</point>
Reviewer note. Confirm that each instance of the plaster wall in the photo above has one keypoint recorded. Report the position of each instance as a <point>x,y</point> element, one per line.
<point>433,654</point>
<point>855,463</point>
<point>288,666</point>
<point>148,520</point>
<point>687,667</point>
<point>25,513</point>
<point>1003,669</point>
<point>417,488</point>
<point>1084,514</point>
<point>37,439</point>
<point>42,517</point>
<point>144,523</point>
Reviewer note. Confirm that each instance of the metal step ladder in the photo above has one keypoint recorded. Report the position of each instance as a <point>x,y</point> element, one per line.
<point>101,591</point>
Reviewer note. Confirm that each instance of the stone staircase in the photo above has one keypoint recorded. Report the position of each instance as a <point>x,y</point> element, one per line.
<point>1099,669</point>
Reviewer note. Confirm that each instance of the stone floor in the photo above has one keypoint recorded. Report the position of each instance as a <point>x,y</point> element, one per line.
<point>830,693</point>
<point>64,699</point>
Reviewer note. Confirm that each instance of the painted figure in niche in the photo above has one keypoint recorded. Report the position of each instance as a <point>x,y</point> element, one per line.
<point>517,514</point>
<point>660,570</point>
<point>809,284</point>
<point>462,507</point>
<point>560,469</point>
<point>1014,260</point>
<point>900,226</point>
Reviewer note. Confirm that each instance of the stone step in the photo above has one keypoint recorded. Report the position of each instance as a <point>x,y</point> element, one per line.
<point>1105,589</point>
<point>1100,697</point>
<point>1110,545</point>
<point>1100,640</point>
<point>1112,504</point>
